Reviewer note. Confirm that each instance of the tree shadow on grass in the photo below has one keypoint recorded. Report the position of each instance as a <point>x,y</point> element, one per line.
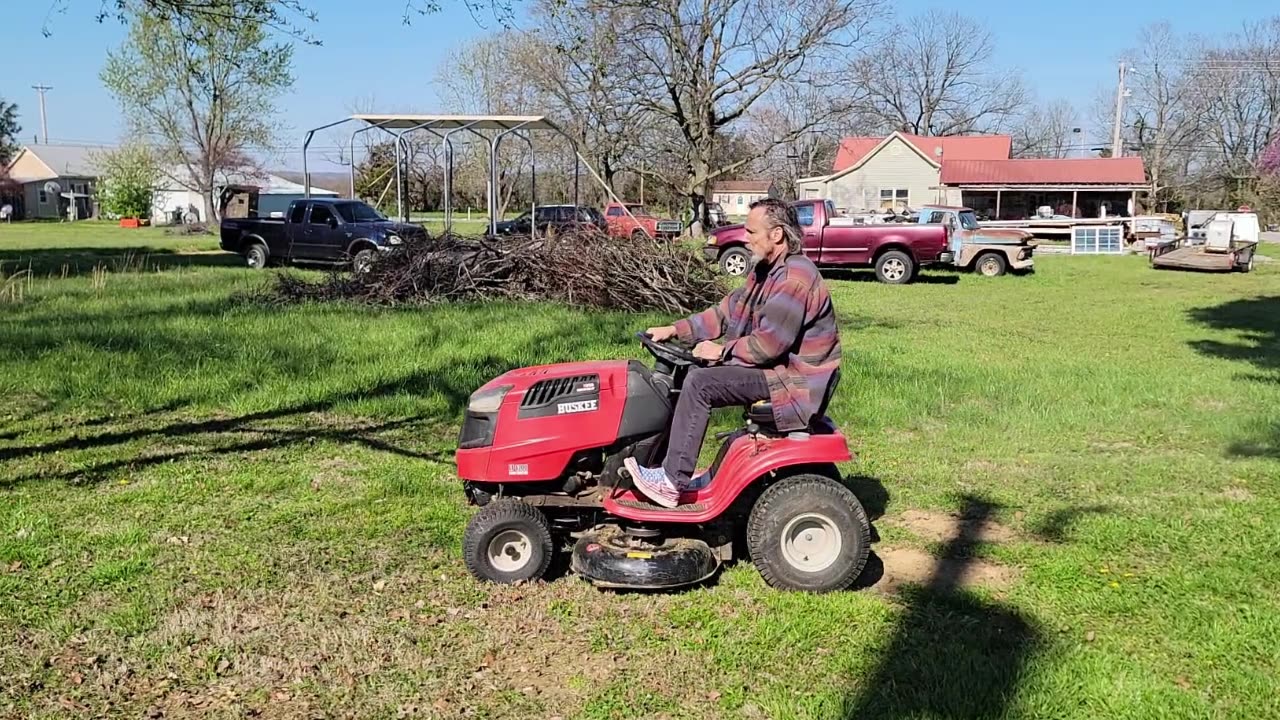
<point>1257,324</point>
<point>1059,525</point>
<point>952,654</point>
<point>444,386</point>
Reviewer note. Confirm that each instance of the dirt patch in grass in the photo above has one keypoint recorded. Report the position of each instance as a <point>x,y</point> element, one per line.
<point>956,568</point>
<point>1237,494</point>
<point>917,567</point>
<point>942,527</point>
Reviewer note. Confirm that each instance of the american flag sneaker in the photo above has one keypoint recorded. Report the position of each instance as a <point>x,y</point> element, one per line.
<point>653,483</point>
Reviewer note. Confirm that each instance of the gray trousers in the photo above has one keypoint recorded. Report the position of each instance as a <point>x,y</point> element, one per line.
<point>704,389</point>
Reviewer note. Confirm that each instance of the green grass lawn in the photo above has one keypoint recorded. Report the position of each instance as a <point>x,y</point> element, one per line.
<point>215,509</point>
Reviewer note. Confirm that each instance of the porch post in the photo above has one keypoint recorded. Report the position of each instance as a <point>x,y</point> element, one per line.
<point>1075,194</point>
<point>997,204</point>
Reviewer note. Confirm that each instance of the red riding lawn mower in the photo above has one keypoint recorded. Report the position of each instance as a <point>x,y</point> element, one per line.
<point>541,453</point>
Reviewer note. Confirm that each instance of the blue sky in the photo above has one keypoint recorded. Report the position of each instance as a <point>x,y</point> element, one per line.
<point>1065,50</point>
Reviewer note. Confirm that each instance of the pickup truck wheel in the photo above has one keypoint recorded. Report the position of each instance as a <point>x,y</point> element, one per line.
<point>734,261</point>
<point>895,268</point>
<point>255,256</point>
<point>991,264</point>
<point>362,261</point>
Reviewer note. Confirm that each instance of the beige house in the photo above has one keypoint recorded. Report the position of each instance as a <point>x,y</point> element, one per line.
<point>54,180</point>
<point>899,171</point>
<point>736,196</point>
<point>906,172</point>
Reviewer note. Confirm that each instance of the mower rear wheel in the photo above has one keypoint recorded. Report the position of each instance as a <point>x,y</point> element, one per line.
<point>809,533</point>
<point>508,541</point>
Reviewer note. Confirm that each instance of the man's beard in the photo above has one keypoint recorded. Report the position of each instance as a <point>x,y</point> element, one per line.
<point>756,258</point>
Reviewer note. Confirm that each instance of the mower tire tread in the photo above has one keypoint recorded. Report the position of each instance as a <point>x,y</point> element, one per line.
<point>499,516</point>
<point>799,495</point>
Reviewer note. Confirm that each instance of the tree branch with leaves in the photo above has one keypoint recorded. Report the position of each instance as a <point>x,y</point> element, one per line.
<point>201,89</point>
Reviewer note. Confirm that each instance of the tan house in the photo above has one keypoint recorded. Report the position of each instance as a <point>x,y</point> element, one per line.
<point>53,180</point>
<point>736,196</point>
<point>898,171</point>
<point>903,171</point>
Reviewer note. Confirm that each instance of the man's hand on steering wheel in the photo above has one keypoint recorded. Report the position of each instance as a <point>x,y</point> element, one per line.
<point>661,334</point>
<point>707,350</point>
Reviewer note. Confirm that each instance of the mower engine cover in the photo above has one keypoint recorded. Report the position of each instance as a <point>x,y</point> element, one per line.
<point>528,424</point>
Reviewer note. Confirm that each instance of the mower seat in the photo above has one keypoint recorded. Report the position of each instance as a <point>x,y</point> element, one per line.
<point>760,413</point>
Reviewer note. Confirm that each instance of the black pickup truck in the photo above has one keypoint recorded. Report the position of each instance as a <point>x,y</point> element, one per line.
<point>319,230</point>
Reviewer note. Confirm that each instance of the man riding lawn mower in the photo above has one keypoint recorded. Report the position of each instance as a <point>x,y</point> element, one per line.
<point>602,453</point>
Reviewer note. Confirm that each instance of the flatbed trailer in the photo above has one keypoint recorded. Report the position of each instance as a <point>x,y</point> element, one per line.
<point>1182,255</point>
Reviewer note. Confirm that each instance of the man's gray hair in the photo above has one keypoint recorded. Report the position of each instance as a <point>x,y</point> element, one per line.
<point>778,213</point>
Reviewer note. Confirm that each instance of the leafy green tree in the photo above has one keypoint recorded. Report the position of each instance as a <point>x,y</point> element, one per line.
<point>128,178</point>
<point>202,86</point>
<point>9,129</point>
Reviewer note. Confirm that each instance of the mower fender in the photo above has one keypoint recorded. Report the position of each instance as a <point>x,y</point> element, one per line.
<point>747,460</point>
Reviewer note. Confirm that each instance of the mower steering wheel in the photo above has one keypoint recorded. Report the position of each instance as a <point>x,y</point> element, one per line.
<point>675,353</point>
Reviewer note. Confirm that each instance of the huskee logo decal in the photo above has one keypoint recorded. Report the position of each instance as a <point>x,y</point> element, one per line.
<point>576,407</point>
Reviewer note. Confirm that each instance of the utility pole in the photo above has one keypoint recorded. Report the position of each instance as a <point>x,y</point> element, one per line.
<point>44,124</point>
<point>1116,149</point>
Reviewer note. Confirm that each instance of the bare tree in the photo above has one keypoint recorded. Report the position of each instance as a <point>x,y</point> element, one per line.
<point>1236,95</point>
<point>1047,131</point>
<point>477,78</point>
<point>1161,119</point>
<point>933,75</point>
<point>816,115</point>
<point>584,90</point>
<point>201,88</point>
<point>699,66</point>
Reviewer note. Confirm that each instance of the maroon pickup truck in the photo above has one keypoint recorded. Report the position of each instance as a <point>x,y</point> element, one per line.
<point>896,251</point>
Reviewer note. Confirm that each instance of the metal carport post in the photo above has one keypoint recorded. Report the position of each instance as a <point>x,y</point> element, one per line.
<point>306,175</point>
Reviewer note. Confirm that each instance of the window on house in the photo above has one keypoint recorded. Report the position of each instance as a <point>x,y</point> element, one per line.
<point>810,193</point>
<point>739,199</point>
<point>893,198</point>
<point>44,197</point>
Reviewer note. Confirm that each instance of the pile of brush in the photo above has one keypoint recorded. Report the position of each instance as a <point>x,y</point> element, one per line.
<point>584,268</point>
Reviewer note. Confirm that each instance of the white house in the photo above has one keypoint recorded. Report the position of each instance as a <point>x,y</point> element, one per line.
<point>175,202</point>
<point>735,196</point>
<point>53,178</point>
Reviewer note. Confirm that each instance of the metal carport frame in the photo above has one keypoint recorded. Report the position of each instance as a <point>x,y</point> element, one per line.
<point>444,126</point>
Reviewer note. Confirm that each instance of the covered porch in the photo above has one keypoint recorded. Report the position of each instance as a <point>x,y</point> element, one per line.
<point>1020,202</point>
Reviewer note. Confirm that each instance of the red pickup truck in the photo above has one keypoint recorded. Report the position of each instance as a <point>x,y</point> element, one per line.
<point>896,251</point>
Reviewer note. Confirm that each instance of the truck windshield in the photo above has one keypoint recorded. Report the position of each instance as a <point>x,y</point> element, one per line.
<point>968,220</point>
<point>358,212</point>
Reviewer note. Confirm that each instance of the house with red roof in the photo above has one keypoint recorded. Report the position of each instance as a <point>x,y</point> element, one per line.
<point>903,171</point>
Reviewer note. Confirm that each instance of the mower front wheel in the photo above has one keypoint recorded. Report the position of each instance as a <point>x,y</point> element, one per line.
<point>809,533</point>
<point>508,541</point>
